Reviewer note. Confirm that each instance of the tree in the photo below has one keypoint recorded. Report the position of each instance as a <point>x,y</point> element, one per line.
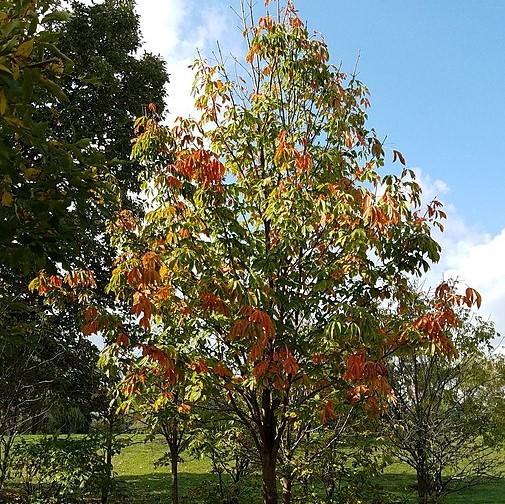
<point>58,184</point>
<point>275,248</point>
<point>42,374</point>
<point>45,182</point>
<point>446,422</point>
<point>65,142</point>
<point>227,445</point>
<point>341,463</point>
<point>110,84</point>
<point>110,431</point>
<point>308,445</point>
<point>158,394</point>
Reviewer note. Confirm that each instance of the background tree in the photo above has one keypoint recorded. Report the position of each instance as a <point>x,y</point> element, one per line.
<point>274,244</point>
<point>46,183</point>
<point>111,431</point>
<point>59,183</point>
<point>227,445</point>
<point>111,83</point>
<point>308,444</point>
<point>44,378</point>
<point>86,111</point>
<point>446,422</point>
<point>159,387</point>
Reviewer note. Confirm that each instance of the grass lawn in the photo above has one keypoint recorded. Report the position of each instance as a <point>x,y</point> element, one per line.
<point>140,482</point>
<point>145,484</point>
<point>401,478</point>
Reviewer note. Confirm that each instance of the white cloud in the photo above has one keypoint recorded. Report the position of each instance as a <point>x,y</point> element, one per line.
<point>176,29</point>
<point>480,263</point>
<point>474,257</point>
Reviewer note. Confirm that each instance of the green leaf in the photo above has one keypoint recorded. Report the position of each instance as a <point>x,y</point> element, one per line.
<point>60,15</point>
<point>25,49</point>
<point>3,68</point>
<point>53,88</point>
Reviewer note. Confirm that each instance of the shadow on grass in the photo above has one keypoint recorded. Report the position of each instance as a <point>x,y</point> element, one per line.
<point>402,485</point>
<point>154,488</point>
<point>198,488</point>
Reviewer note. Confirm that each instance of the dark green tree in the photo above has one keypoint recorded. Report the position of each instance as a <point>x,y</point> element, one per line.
<point>70,84</point>
<point>110,84</point>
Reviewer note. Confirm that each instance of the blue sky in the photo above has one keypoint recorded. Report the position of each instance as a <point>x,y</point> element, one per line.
<point>435,70</point>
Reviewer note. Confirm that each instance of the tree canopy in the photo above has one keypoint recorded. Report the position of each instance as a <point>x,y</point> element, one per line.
<point>275,247</point>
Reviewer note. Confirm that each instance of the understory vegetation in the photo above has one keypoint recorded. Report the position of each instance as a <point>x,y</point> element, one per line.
<point>139,480</point>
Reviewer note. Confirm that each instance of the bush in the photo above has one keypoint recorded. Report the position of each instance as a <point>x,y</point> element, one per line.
<point>55,470</point>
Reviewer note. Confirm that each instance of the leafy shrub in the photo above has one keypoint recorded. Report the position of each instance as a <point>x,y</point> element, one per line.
<point>55,470</point>
<point>224,492</point>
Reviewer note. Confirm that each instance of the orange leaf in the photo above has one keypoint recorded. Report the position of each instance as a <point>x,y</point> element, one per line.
<point>122,339</point>
<point>142,307</point>
<point>184,408</point>
<point>221,370</point>
<point>328,412</point>
<point>290,364</point>
<point>200,366</point>
<point>355,366</point>
<point>261,368</point>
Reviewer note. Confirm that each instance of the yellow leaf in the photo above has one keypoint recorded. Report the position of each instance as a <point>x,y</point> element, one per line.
<point>3,102</point>
<point>25,49</point>
<point>164,272</point>
<point>34,284</point>
<point>160,402</point>
<point>7,199</point>
<point>171,238</point>
<point>31,173</point>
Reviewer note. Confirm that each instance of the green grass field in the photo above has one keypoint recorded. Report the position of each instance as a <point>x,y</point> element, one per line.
<point>145,484</point>
<point>138,476</point>
<point>139,481</point>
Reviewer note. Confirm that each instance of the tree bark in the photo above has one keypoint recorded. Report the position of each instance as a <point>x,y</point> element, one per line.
<point>5,448</point>
<point>269,474</point>
<point>174,459</point>
<point>106,487</point>
<point>287,488</point>
<point>423,486</point>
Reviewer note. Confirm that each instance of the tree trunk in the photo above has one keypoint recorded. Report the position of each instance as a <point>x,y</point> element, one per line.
<point>423,486</point>
<point>5,448</point>
<point>269,474</point>
<point>174,459</point>
<point>287,488</point>
<point>108,478</point>
<point>108,463</point>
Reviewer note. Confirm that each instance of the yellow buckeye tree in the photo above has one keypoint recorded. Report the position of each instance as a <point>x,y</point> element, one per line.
<point>275,250</point>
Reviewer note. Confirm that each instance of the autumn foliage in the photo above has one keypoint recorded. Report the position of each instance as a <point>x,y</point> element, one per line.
<point>275,248</point>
